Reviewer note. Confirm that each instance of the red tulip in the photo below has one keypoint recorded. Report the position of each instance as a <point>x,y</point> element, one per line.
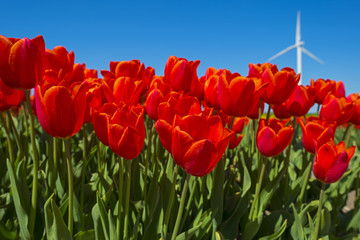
<point>312,132</point>
<point>331,161</point>
<point>126,131</point>
<point>156,95</point>
<point>322,88</point>
<point>97,94</point>
<point>339,89</point>
<point>280,85</point>
<point>237,96</point>
<point>258,70</point>
<point>181,73</point>
<point>238,126</point>
<point>9,97</point>
<point>298,104</point>
<point>59,59</point>
<point>196,142</point>
<point>212,76</point>
<point>133,70</point>
<point>127,90</point>
<point>336,109</point>
<point>355,100</point>
<point>21,61</point>
<point>101,119</point>
<point>60,107</point>
<point>273,138</point>
<point>175,103</point>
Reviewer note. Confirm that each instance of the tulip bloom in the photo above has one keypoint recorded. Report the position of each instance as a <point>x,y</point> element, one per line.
<point>60,59</point>
<point>181,73</point>
<point>273,138</point>
<point>156,95</point>
<point>322,88</point>
<point>281,84</point>
<point>238,96</point>
<point>336,109</point>
<point>177,104</point>
<point>196,142</point>
<point>212,76</point>
<point>22,61</point>
<point>60,108</point>
<point>126,131</point>
<point>238,126</point>
<point>312,132</point>
<point>9,97</point>
<point>331,161</point>
<point>355,100</point>
<point>133,70</point>
<point>101,119</point>
<point>98,93</point>
<point>298,104</point>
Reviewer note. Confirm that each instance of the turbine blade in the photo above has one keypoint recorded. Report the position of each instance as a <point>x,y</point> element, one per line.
<point>281,52</point>
<point>311,55</point>
<point>298,31</point>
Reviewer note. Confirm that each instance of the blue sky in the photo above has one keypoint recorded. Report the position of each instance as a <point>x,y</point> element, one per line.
<point>222,35</point>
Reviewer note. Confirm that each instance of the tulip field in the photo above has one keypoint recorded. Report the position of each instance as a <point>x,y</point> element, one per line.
<point>134,153</point>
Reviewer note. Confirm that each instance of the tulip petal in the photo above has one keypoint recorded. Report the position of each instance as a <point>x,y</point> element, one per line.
<point>200,159</point>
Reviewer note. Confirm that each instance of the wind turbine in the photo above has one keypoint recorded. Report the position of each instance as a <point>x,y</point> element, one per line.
<point>299,45</point>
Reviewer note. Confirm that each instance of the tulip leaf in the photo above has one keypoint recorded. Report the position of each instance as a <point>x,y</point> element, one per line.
<point>55,226</point>
<point>354,223</point>
<point>252,228</point>
<point>269,190</point>
<point>230,226</point>
<point>297,230</point>
<point>21,203</point>
<point>6,234</point>
<point>246,179</point>
<point>85,235</point>
<point>277,234</point>
<point>112,228</point>
<point>99,232</point>
<point>217,196</point>
<point>103,217</point>
<point>325,221</point>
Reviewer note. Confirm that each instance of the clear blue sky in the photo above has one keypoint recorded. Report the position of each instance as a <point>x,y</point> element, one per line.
<point>222,35</point>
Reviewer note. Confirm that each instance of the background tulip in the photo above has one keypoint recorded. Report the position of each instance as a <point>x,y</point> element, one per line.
<point>9,97</point>
<point>22,61</point>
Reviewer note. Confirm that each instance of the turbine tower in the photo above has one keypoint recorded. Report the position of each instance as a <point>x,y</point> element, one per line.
<point>299,45</point>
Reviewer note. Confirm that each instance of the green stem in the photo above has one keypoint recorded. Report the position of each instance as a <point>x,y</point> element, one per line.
<point>147,159</point>
<point>253,213</point>
<point>181,207</point>
<point>317,226</point>
<point>306,180</point>
<point>346,131</point>
<point>121,180</point>
<point>287,162</point>
<point>189,202</point>
<point>70,186</point>
<point>16,134</point>
<point>268,113</point>
<point>127,215</point>
<point>35,165</point>
<point>171,201</point>
<point>253,135</point>
<point>55,159</point>
<point>318,109</point>
<point>10,144</point>
<point>82,193</point>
